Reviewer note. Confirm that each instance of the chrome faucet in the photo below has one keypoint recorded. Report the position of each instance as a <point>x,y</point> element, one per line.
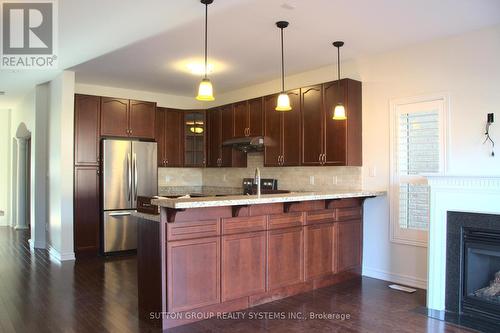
<point>256,180</point>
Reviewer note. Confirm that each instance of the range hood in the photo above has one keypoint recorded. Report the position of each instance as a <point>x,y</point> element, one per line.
<point>246,144</point>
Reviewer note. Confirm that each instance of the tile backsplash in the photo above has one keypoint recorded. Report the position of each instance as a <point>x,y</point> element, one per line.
<point>290,178</point>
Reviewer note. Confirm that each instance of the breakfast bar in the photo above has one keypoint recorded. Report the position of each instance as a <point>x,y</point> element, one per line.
<point>203,256</point>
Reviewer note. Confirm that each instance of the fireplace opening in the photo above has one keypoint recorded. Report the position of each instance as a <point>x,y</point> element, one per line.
<point>481,273</point>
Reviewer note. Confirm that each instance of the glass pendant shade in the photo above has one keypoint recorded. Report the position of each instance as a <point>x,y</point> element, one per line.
<point>205,91</point>
<point>196,130</point>
<point>283,103</point>
<point>339,112</point>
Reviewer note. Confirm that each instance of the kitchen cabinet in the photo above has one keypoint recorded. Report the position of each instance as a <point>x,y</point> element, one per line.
<point>318,250</point>
<point>348,245</point>
<point>87,117</point>
<point>312,125</point>
<point>327,141</point>
<point>248,118</point>
<point>193,273</point>
<point>285,257</point>
<point>194,138</point>
<point>169,136</point>
<point>282,131</point>
<point>221,127</point>
<point>127,118</point>
<point>142,119</point>
<point>343,141</point>
<point>86,211</point>
<point>243,265</point>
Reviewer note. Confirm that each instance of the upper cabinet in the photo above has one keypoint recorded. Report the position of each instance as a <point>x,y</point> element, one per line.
<point>194,138</point>
<point>142,119</point>
<point>327,141</point>
<point>126,118</point>
<point>248,118</point>
<point>169,136</point>
<point>282,132</point>
<point>221,128</point>
<point>87,114</point>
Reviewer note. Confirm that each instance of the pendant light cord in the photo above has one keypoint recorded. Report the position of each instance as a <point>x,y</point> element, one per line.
<point>206,38</point>
<point>282,64</point>
<point>338,66</point>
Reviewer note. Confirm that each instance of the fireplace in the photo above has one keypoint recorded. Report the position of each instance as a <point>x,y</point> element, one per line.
<point>481,273</point>
<point>473,266</point>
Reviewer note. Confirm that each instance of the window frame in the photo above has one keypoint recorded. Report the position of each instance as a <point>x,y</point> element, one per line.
<point>398,234</point>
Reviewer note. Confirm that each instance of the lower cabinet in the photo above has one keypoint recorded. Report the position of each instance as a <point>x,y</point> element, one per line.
<point>348,245</point>
<point>243,265</point>
<point>193,273</point>
<point>86,210</point>
<point>318,250</point>
<point>285,257</point>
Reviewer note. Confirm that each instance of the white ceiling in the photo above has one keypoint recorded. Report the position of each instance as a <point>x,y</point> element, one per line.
<point>121,44</point>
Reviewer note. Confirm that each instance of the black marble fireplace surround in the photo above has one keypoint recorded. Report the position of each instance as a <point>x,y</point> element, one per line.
<point>472,249</point>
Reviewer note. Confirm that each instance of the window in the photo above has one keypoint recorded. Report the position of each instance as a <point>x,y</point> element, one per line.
<point>417,148</point>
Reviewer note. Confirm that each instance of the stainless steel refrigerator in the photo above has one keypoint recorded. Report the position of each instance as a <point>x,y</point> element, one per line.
<point>129,170</point>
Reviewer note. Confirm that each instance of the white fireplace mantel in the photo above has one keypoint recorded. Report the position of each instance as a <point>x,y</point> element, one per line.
<point>462,193</point>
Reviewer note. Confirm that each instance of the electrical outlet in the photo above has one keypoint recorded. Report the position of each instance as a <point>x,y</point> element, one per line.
<point>372,171</point>
<point>224,178</point>
<point>311,180</point>
<point>334,180</point>
<point>167,179</point>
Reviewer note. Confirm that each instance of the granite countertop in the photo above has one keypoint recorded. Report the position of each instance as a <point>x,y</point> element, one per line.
<point>144,216</point>
<point>238,200</point>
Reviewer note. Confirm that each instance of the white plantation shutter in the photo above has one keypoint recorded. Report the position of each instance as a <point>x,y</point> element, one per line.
<point>417,148</point>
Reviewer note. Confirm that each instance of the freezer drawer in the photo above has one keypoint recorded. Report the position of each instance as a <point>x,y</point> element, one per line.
<point>120,231</point>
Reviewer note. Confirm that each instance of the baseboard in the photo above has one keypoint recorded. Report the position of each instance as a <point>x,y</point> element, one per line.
<point>406,280</point>
<point>36,245</point>
<point>56,255</point>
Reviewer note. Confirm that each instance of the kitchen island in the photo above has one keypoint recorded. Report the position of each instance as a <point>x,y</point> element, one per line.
<point>204,256</point>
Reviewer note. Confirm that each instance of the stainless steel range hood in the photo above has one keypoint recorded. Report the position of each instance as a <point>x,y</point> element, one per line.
<point>246,144</point>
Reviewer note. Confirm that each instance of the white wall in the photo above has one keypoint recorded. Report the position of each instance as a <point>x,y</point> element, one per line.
<point>163,100</point>
<point>5,146</point>
<point>467,68</point>
<point>60,167</point>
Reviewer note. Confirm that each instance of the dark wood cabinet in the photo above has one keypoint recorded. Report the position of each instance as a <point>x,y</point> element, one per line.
<point>343,138</point>
<point>318,250</point>
<point>248,118</point>
<point>214,138</point>
<point>194,138</point>
<point>348,245</point>
<point>86,211</point>
<point>327,141</point>
<point>127,118</point>
<point>193,273</point>
<point>220,128</point>
<point>282,132</point>
<point>240,111</point>
<point>87,118</point>
<point>169,136</point>
<point>114,117</point>
<point>142,119</point>
<point>312,125</point>
<point>285,257</point>
<point>243,265</point>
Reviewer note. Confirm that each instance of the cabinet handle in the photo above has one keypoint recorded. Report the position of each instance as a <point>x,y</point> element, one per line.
<point>324,159</point>
<point>282,160</point>
<point>166,162</point>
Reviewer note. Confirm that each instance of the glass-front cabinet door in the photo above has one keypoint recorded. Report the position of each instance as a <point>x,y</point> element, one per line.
<point>194,138</point>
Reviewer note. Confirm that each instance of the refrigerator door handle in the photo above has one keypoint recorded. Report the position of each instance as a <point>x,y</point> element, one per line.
<point>120,214</point>
<point>129,175</point>
<point>135,176</point>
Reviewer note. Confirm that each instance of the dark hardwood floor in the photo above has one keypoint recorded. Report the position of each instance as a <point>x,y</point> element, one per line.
<point>100,295</point>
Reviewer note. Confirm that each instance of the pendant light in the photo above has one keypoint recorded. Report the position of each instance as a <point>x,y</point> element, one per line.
<point>339,110</point>
<point>283,103</point>
<point>205,90</point>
